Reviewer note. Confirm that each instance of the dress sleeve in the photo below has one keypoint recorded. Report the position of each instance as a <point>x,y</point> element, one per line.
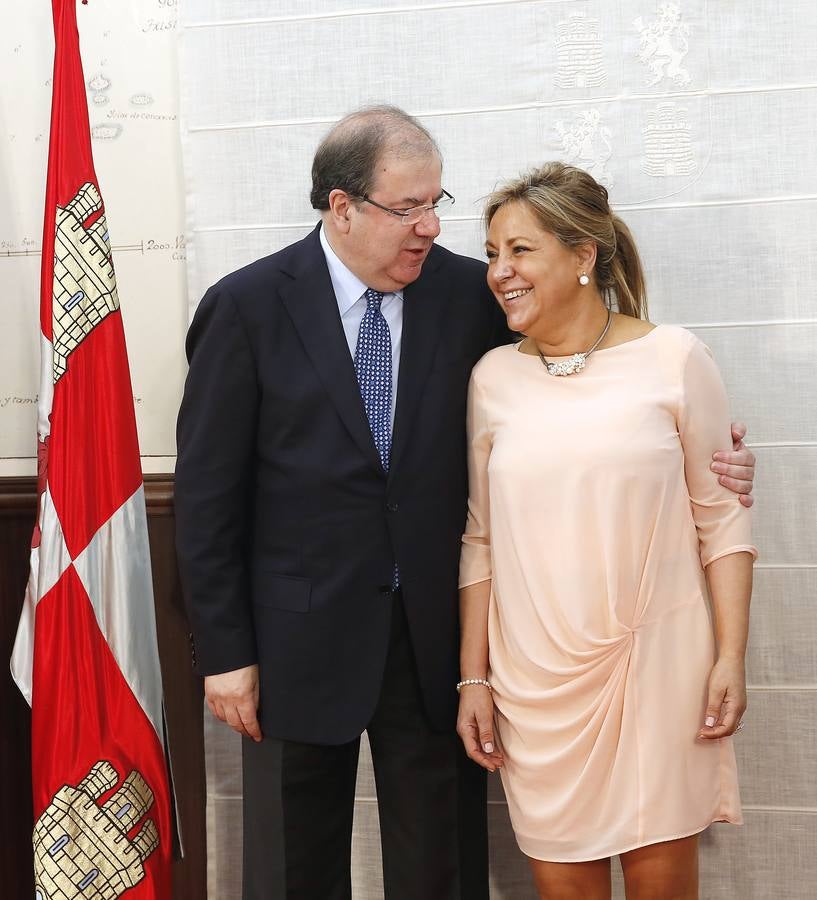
<point>475,560</point>
<point>724,525</point>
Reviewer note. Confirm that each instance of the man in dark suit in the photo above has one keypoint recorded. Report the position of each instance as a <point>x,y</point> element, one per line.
<point>320,499</point>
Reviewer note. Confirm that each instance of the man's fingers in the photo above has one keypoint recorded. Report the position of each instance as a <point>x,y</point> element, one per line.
<point>738,432</point>
<point>742,473</point>
<point>233,688</point>
<point>241,719</point>
<point>234,720</point>
<point>738,485</point>
<point>736,471</point>
<point>249,720</point>
<point>217,709</point>
<point>231,697</point>
<point>740,456</point>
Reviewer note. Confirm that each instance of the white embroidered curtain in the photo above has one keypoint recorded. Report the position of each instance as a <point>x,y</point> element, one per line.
<point>700,118</point>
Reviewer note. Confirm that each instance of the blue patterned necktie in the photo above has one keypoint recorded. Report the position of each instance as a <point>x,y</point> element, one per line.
<point>373,369</point>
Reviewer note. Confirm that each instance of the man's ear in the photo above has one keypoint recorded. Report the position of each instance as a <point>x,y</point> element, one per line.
<point>340,208</point>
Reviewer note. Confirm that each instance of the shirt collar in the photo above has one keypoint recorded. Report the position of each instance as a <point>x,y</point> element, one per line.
<point>348,287</point>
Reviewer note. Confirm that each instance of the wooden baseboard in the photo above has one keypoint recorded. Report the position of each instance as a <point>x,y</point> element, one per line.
<point>18,496</point>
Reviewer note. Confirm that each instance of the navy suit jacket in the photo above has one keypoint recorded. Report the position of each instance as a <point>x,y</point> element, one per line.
<point>287,526</point>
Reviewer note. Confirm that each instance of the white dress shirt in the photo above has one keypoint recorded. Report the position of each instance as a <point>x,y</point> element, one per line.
<point>349,293</point>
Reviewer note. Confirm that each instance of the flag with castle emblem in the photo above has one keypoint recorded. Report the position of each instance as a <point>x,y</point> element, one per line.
<point>86,655</point>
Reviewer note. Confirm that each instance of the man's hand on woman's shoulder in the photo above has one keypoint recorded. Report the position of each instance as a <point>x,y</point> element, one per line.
<point>736,468</point>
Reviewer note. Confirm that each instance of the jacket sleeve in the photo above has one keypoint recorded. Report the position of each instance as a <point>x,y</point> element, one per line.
<point>216,433</point>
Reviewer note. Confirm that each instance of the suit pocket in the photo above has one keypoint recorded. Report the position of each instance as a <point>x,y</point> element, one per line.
<point>282,591</point>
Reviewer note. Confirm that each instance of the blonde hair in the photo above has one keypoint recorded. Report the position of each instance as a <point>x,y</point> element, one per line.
<point>573,206</point>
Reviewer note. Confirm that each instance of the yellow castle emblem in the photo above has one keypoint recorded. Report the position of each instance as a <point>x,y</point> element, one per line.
<point>82,849</point>
<point>84,280</point>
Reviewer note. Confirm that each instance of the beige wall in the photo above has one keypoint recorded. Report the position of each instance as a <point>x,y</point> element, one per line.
<point>711,162</point>
<point>709,156</point>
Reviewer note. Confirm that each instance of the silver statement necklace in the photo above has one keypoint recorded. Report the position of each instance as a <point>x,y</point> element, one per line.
<point>573,364</point>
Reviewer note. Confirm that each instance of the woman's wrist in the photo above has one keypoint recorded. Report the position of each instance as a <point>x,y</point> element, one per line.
<point>473,682</point>
<point>732,656</point>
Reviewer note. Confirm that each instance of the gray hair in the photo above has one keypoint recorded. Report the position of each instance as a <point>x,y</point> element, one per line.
<point>347,157</point>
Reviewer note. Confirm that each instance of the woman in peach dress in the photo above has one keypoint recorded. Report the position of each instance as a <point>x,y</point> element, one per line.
<point>591,675</point>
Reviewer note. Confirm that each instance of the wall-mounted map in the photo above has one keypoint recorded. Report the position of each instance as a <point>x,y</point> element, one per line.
<point>129,59</point>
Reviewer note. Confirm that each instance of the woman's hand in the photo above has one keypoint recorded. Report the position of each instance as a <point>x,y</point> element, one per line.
<point>726,701</point>
<point>475,726</point>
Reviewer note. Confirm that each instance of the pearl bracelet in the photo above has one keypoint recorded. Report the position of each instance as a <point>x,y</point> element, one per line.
<point>473,681</point>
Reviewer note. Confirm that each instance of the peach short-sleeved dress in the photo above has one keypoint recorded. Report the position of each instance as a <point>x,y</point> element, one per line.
<point>593,512</point>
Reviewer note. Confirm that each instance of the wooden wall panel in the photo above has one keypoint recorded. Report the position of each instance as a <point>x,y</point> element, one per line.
<point>183,693</point>
<point>17,505</point>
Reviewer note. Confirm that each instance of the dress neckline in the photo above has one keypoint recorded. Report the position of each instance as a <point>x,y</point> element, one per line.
<point>635,340</point>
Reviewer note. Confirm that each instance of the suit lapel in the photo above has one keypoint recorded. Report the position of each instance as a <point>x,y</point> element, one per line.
<point>423,305</point>
<point>311,304</point>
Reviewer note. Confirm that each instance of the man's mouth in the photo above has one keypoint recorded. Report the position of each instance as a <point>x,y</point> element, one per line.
<point>417,254</point>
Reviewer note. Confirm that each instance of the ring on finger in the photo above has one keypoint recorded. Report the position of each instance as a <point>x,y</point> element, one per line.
<point>740,725</point>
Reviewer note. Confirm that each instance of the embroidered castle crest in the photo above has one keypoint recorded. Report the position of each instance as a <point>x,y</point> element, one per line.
<point>668,142</point>
<point>579,62</point>
<point>82,848</point>
<point>84,281</point>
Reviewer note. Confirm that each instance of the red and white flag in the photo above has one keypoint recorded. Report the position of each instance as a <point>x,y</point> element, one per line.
<point>86,655</point>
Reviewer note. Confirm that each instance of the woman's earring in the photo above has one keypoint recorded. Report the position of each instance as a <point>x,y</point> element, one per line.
<point>584,279</point>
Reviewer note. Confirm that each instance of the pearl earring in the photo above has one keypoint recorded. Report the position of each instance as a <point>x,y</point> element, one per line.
<point>584,279</point>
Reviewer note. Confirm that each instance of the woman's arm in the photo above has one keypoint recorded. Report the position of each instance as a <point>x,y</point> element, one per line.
<point>724,536</point>
<point>475,722</point>
<point>730,587</point>
<point>474,630</point>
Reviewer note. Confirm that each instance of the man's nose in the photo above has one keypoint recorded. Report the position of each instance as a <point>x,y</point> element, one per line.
<point>429,225</point>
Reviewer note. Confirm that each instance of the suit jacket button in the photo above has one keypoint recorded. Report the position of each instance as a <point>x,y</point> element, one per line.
<point>391,507</point>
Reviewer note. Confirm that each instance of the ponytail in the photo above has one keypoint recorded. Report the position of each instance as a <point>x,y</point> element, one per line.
<point>627,274</point>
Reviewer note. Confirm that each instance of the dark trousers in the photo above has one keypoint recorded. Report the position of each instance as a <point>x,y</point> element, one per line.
<point>299,804</point>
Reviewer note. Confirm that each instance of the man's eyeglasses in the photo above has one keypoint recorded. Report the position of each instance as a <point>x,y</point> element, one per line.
<point>414,214</point>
